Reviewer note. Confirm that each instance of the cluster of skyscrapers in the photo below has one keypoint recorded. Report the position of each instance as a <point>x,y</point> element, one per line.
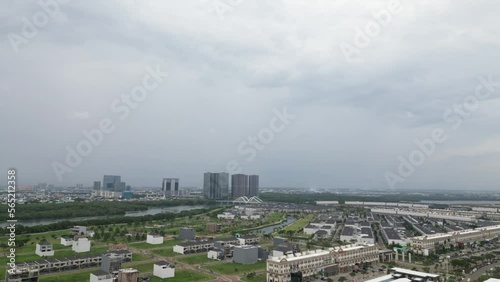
<point>112,187</point>
<point>216,186</point>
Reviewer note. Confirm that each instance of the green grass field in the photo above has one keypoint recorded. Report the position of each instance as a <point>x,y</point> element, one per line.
<point>256,278</point>
<point>196,259</point>
<point>300,223</point>
<point>168,252</point>
<point>68,277</point>
<point>236,268</point>
<point>184,276</point>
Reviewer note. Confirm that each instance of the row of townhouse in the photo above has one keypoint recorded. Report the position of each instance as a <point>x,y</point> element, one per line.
<point>68,263</point>
<point>206,245</point>
<point>429,213</point>
<point>394,236</point>
<point>323,226</point>
<point>426,244</point>
<point>328,262</point>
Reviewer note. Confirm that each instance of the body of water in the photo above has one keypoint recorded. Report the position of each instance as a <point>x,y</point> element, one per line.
<point>270,229</point>
<point>150,211</point>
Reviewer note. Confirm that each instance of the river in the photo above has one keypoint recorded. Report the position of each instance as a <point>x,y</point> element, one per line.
<point>150,211</point>
<point>270,229</point>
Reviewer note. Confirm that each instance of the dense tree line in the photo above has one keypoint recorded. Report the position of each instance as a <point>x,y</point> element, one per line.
<point>83,209</point>
<point>20,229</point>
<point>309,198</point>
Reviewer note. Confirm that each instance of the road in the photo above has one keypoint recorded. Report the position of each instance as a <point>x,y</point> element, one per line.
<point>481,271</point>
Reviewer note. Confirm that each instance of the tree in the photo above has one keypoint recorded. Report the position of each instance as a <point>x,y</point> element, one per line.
<point>342,279</point>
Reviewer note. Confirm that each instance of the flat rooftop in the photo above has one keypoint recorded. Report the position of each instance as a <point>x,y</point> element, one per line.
<point>414,273</point>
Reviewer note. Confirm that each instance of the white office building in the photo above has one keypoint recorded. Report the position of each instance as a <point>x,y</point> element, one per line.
<point>154,239</point>
<point>82,245</point>
<point>44,249</point>
<point>164,269</point>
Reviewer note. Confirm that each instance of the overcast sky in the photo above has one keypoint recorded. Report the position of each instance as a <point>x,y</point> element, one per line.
<point>231,65</point>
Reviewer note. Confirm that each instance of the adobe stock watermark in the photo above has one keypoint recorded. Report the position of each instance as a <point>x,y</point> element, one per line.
<point>49,9</point>
<point>455,116</point>
<point>221,7</point>
<point>265,136</point>
<point>122,107</point>
<point>372,29</point>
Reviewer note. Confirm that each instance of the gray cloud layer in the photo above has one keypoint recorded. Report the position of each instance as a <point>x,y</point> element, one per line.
<point>353,119</point>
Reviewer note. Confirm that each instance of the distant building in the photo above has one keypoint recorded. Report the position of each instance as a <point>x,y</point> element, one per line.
<point>44,249</point>
<point>81,245</point>
<point>111,182</point>
<point>154,239</point>
<point>186,233</point>
<point>253,185</point>
<point>101,276</point>
<point>97,185</point>
<point>163,269</point>
<point>79,230</point>
<point>239,185</point>
<point>112,187</point>
<point>127,195</point>
<point>246,254</point>
<point>170,187</point>
<point>213,227</point>
<point>66,241</point>
<point>216,186</point>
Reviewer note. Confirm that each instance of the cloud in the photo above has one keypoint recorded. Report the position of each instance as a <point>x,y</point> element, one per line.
<point>353,119</point>
<point>78,115</point>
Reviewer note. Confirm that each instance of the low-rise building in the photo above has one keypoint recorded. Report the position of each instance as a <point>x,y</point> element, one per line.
<point>366,236</point>
<point>81,245</point>
<point>79,230</point>
<point>226,215</point>
<point>66,241</point>
<point>213,227</point>
<point>246,254</point>
<point>193,247</point>
<point>422,243</point>
<point>128,275</point>
<point>44,249</point>
<point>249,240</point>
<point>216,253</point>
<point>154,239</point>
<point>391,236</point>
<point>186,233</point>
<point>163,269</point>
<point>310,229</point>
<point>309,263</point>
<point>101,276</point>
<point>347,234</point>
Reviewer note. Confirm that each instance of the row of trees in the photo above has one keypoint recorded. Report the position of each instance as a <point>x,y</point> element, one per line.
<point>84,209</point>
<point>20,229</point>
